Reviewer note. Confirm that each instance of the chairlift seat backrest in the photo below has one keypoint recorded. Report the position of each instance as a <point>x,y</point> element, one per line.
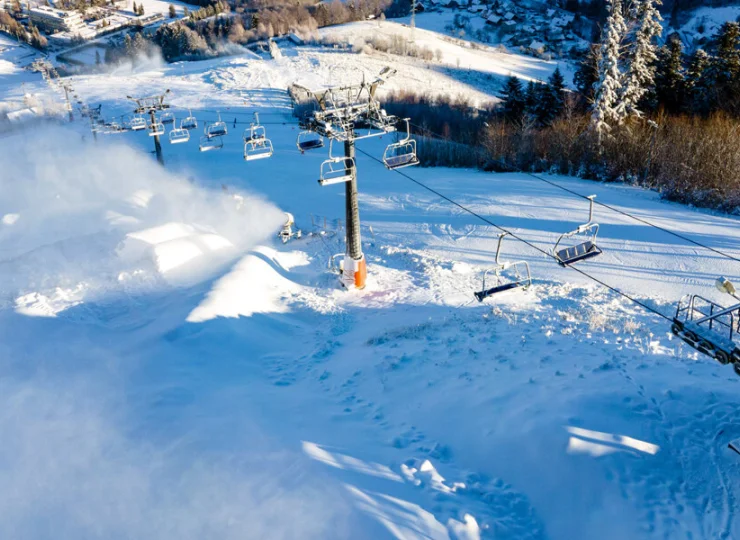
<point>189,123</point>
<point>179,135</point>
<point>399,161</point>
<point>311,144</point>
<point>308,140</point>
<point>167,118</point>
<point>217,129</point>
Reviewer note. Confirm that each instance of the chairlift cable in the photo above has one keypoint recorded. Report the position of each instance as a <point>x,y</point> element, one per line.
<point>614,209</point>
<point>527,242</point>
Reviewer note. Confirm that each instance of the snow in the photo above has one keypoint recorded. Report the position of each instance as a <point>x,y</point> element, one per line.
<point>170,369</point>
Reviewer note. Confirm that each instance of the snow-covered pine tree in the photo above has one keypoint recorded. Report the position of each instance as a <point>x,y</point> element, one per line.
<point>640,76</point>
<point>609,85</point>
<point>513,99</point>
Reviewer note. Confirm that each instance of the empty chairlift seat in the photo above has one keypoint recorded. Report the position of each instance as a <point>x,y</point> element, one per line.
<point>336,169</point>
<point>216,129</point>
<point>507,276</point>
<point>210,143</point>
<point>581,250</point>
<point>402,153</point>
<point>179,135</point>
<point>190,122</point>
<point>709,327</point>
<point>308,140</point>
<point>156,129</point>
<point>167,118</point>
<point>137,123</point>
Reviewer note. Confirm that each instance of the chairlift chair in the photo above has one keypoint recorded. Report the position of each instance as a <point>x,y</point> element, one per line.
<point>138,123</point>
<point>179,135</point>
<point>167,118</point>
<point>210,143</point>
<point>190,122</point>
<point>508,275</point>
<point>257,149</point>
<point>308,140</point>
<point>256,131</point>
<point>156,128</point>
<point>709,327</point>
<point>336,170</point>
<point>582,250</point>
<point>402,153</point>
<point>216,129</point>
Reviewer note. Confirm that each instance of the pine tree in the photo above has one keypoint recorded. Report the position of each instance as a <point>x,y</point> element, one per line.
<point>669,76</point>
<point>97,57</point>
<point>173,12</point>
<point>513,100</point>
<point>129,46</point>
<point>185,12</point>
<point>698,86</point>
<point>640,76</point>
<point>609,85</point>
<point>531,98</point>
<point>135,9</point>
<point>728,49</point>
<point>587,76</point>
<point>551,99</point>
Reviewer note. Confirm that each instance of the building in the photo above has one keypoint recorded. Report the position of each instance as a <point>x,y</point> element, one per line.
<point>53,20</point>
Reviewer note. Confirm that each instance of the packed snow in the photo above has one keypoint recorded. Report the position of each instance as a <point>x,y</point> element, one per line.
<point>170,369</point>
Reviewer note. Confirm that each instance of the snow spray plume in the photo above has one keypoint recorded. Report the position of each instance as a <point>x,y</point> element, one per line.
<point>93,443</point>
<point>90,222</point>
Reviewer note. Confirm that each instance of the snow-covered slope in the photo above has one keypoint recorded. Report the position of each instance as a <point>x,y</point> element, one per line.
<point>169,369</point>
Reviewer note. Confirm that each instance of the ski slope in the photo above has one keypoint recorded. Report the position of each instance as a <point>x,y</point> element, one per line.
<point>170,369</point>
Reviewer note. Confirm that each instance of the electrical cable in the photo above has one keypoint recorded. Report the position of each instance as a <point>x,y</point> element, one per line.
<point>612,208</point>
<point>517,237</point>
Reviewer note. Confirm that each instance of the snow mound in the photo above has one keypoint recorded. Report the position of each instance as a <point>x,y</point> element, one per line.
<point>83,223</point>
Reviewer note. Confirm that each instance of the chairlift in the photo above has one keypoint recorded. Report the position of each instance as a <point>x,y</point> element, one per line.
<point>582,250</point>
<point>709,327</point>
<point>508,275</point>
<point>336,170</point>
<point>255,131</point>
<point>156,129</point>
<point>257,149</point>
<point>308,140</point>
<point>216,129</point>
<point>167,118</point>
<point>138,123</point>
<point>179,135</point>
<point>190,122</point>
<point>210,143</point>
<point>402,153</point>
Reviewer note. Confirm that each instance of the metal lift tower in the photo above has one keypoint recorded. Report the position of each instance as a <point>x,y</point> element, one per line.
<point>347,114</point>
<point>152,104</point>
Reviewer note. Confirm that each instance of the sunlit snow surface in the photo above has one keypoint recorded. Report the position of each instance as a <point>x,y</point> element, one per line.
<point>169,369</point>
